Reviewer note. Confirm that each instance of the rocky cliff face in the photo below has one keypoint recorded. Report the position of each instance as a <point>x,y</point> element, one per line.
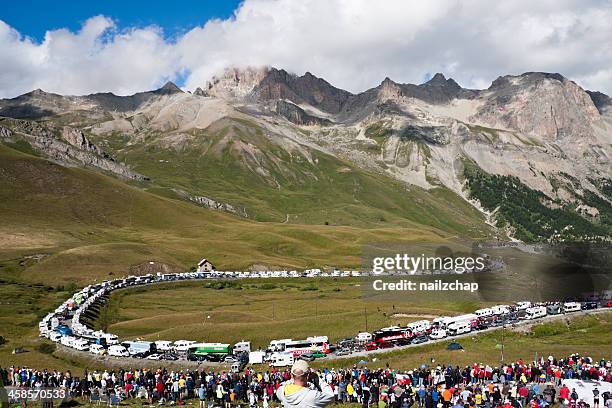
<point>234,83</point>
<point>544,106</point>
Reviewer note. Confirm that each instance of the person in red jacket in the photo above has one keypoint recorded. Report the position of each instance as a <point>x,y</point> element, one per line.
<point>564,393</point>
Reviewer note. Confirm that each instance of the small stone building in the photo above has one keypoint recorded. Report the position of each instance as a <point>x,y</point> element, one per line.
<point>205,266</point>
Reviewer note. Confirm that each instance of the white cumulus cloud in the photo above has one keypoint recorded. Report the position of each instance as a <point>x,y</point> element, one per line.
<point>354,44</point>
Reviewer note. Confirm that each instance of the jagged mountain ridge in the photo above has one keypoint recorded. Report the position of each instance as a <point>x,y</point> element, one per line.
<point>541,128</point>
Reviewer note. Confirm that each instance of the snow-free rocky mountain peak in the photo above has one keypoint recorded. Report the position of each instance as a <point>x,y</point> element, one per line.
<point>538,136</point>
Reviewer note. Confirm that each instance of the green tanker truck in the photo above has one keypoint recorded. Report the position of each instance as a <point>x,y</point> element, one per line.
<point>208,351</point>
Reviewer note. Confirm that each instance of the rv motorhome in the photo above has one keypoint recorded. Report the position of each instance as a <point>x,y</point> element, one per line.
<point>460,327</point>
<point>281,359</point>
<point>535,312</point>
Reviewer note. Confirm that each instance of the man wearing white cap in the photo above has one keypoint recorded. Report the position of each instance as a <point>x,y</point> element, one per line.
<point>299,393</point>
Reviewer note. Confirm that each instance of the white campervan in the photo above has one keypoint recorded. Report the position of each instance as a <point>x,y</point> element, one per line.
<point>484,312</point>
<point>419,326</point>
<point>460,327</point>
<point>535,312</point>
<point>80,344</point>
<point>242,346</point>
<point>183,345</point>
<point>67,341</point>
<point>97,349</point>
<point>446,322</point>
<point>118,351</point>
<point>281,359</point>
<point>163,345</point>
<point>278,345</point>
<point>111,339</point>
<point>571,307</point>
<point>500,309</point>
<point>363,337</point>
<point>55,336</point>
<point>523,305</point>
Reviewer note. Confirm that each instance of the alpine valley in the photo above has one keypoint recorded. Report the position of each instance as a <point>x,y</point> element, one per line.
<point>286,170</point>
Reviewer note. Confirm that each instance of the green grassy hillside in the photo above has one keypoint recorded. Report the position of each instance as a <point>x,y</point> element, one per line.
<point>273,179</point>
<point>83,225</point>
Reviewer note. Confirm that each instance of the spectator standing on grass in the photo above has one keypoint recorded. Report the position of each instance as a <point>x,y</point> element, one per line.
<point>298,393</point>
<point>219,393</point>
<point>202,395</point>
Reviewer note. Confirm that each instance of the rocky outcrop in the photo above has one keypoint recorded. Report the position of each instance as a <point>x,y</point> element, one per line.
<point>297,115</point>
<point>77,138</point>
<point>215,205</point>
<point>73,150</point>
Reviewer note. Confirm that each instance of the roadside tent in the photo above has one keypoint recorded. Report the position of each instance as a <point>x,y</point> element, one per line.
<point>454,346</point>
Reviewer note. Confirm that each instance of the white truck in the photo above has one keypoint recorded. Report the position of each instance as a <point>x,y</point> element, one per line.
<point>500,309</point>
<point>257,357</point>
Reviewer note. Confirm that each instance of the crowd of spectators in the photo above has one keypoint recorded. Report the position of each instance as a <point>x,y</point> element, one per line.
<point>536,384</point>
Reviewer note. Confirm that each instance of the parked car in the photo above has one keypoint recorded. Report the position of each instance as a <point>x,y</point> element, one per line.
<point>154,356</point>
<point>169,357</point>
<point>307,357</point>
<point>371,346</point>
<point>419,339</point>
<point>343,352</point>
<point>196,357</point>
<point>437,334</point>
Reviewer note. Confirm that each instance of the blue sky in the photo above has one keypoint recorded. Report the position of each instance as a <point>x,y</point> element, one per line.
<point>34,17</point>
